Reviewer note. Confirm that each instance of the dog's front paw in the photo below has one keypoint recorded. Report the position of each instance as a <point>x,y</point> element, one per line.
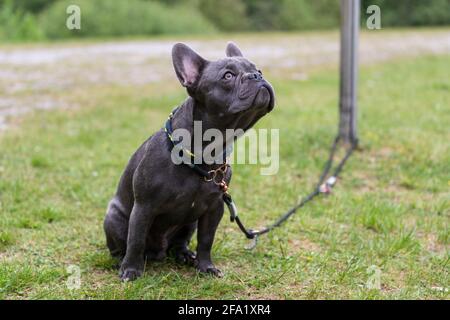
<point>155,256</point>
<point>129,274</point>
<point>209,268</point>
<point>185,256</point>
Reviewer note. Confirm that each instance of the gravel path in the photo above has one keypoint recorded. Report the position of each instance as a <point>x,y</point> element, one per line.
<point>32,76</point>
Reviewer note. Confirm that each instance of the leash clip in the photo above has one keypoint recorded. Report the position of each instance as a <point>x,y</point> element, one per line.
<point>326,187</point>
<point>217,176</point>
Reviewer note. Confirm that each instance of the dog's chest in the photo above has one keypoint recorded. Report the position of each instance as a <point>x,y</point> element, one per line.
<point>189,202</point>
<point>193,205</point>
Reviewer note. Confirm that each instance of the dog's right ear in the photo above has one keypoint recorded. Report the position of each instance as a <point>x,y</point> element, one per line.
<point>188,64</point>
<point>232,50</point>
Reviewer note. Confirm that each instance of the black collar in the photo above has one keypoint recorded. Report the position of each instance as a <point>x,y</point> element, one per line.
<point>207,175</point>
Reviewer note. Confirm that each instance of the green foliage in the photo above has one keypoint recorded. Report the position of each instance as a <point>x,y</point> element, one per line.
<point>227,15</point>
<point>107,18</point>
<point>294,14</point>
<point>304,14</point>
<point>18,25</point>
<point>411,12</point>
<point>270,14</point>
<point>263,15</point>
<point>36,19</point>
<point>33,6</point>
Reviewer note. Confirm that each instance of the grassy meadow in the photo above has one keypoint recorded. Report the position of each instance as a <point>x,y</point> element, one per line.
<point>389,212</point>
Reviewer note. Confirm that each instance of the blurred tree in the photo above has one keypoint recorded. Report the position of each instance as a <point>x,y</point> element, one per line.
<point>227,15</point>
<point>435,13</point>
<point>296,14</point>
<point>109,18</point>
<point>16,24</point>
<point>175,2</point>
<point>29,5</point>
<point>305,14</point>
<point>34,18</point>
<point>263,15</point>
<point>411,12</point>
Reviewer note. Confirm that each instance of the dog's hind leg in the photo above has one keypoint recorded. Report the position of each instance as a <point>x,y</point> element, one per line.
<point>116,229</point>
<point>179,244</point>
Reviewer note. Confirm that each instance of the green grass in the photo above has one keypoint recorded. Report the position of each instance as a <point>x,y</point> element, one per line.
<point>391,208</point>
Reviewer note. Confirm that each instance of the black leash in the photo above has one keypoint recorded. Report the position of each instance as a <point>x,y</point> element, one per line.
<point>217,177</point>
<point>322,187</point>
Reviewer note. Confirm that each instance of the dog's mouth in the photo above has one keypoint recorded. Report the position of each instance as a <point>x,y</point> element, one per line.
<point>271,104</point>
<point>265,98</point>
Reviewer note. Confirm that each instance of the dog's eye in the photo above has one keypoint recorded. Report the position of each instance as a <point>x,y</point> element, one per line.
<point>228,76</point>
<point>260,72</point>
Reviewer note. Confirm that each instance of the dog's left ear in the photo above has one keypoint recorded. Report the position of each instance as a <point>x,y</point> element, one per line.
<point>188,64</point>
<point>233,50</point>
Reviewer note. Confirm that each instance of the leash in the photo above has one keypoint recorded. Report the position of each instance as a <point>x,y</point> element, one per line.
<point>322,187</point>
<point>217,176</point>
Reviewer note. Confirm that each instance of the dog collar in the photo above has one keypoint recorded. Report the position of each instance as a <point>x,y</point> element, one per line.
<point>217,176</point>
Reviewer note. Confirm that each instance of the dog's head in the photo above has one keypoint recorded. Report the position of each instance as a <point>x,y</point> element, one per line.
<point>232,88</point>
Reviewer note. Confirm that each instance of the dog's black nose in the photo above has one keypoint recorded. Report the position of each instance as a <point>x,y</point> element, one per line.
<point>254,76</point>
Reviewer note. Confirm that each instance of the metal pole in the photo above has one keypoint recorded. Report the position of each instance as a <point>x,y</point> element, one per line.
<point>350,16</point>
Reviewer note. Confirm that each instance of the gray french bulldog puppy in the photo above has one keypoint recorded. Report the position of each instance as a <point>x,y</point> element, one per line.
<point>159,204</point>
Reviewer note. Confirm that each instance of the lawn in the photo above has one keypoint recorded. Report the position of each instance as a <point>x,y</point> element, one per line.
<point>390,211</point>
